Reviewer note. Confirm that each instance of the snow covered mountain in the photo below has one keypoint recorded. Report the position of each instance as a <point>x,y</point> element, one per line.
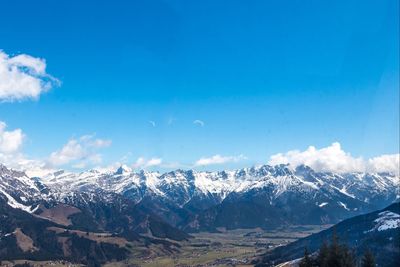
<point>19,190</point>
<point>181,186</point>
<point>92,209</point>
<point>263,196</point>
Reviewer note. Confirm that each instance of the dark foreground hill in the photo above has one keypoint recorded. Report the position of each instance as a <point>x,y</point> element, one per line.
<point>377,231</point>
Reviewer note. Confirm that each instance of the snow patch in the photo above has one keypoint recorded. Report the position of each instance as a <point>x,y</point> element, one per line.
<point>323,204</point>
<point>386,220</point>
<point>343,191</point>
<point>13,203</point>
<point>343,205</point>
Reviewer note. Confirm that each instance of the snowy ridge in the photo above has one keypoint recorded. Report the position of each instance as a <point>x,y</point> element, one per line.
<point>181,187</point>
<point>188,183</point>
<point>19,190</point>
<point>15,204</point>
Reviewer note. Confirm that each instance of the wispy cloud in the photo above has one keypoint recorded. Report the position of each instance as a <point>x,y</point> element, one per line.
<point>334,158</point>
<point>199,122</point>
<point>152,123</point>
<point>145,163</point>
<point>174,165</point>
<point>170,121</point>
<point>218,159</point>
<point>23,77</point>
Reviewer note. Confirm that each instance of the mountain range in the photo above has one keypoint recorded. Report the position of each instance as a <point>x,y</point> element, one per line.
<point>194,201</point>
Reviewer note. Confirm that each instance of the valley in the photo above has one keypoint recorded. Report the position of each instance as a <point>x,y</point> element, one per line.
<point>225,248</point>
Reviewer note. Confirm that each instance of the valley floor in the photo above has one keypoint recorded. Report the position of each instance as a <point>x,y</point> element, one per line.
<point>227,248</point>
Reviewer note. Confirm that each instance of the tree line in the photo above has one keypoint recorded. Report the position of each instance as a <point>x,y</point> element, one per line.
<point>336,254</point>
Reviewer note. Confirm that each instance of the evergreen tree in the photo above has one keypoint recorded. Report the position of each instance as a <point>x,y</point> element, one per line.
<point>335,251</point>
<point>346,256</point>
<point>368,259</point>
<point>323,255</point>
<point>335,254</point>
<point>306,261</point>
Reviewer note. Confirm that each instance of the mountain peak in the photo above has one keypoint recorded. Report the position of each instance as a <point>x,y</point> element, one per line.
<point>4,169</point>
<point>123,169</point>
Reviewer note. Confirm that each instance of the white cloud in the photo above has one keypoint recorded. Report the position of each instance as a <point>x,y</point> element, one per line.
<point>83,150</point>
<point>384,163</point>
<point>218,159</point>
<point>153,123</point>
<point>199,122</point>
<point>10,141</point>
<point>23,77</point>
<point>79,152</point>
<point>334,158</point>
<point>145,163</point>
<point>10,152</point>
<point>19,161</point>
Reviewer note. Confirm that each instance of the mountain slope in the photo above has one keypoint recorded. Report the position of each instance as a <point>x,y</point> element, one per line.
<point>25,236</point>
<point>378,231</point>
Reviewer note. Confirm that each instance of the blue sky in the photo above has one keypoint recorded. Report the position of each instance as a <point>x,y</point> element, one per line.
<point>263,76</point>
